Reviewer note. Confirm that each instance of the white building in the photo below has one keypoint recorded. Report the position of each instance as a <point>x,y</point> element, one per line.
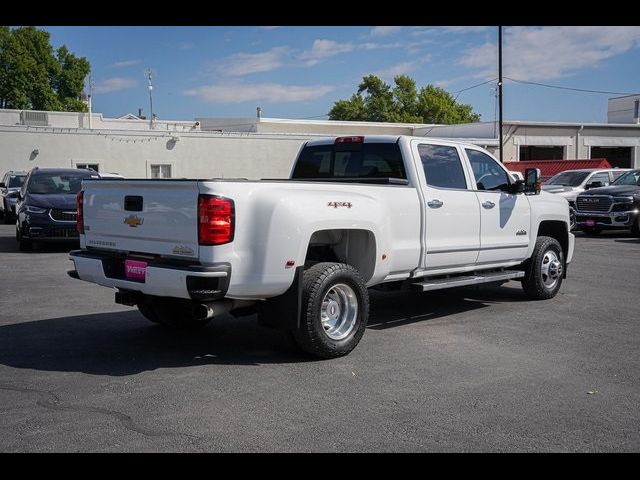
<point>266,147</point>
<point>204,148</point>
<point>619,143</point>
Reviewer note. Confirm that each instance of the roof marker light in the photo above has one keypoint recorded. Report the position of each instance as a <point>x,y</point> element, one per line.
<point>353,139</point>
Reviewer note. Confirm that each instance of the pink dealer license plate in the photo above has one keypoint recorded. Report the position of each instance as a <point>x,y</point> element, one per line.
<point>135,270</point>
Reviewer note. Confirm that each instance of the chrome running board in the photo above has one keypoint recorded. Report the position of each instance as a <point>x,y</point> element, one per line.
<point>464,280</point>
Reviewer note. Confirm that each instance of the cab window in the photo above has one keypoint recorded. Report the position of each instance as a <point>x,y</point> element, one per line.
<point>488,174</point>
<point>442,166</point>
<point>602,177</point>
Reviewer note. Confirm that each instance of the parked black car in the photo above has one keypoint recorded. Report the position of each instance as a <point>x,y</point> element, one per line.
<point>46,207</point>
<point>614,207</point>
<point>9,187</point>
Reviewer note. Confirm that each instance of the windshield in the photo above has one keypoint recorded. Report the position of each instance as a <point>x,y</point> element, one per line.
<point>57,183</point>
<point>567,179</point>
<point>629,178</point>
<point>16,181</point>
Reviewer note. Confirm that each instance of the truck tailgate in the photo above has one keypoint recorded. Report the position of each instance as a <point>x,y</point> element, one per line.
<point>157,217</point>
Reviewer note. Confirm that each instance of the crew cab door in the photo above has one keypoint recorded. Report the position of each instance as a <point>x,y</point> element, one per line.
<point>505,218</point>
<point>451,209</point>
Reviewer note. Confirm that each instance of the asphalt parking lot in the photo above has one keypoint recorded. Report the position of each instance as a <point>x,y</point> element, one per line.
<point>464,370</point>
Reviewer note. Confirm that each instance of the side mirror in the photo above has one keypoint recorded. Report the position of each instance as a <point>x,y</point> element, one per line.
<point>517,186</point>
<point>2,185</point>
<point>532,181</point>
<point>593,185</point>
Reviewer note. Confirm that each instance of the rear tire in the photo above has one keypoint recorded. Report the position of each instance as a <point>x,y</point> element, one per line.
<point>544,270</point>
<point>335,310</point>
<point>175,313</point>
<point>147,311</point>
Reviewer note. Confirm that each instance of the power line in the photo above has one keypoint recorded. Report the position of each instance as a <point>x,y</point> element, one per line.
<point>584,90</point>
<point>458,92</point>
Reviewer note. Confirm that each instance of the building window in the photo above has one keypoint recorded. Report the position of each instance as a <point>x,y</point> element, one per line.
<point>160,171</point>
<point>91,166</point>
<point>533,152</point>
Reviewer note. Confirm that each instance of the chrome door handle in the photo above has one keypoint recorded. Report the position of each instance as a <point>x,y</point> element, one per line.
<point>488,204</point>
<point>435,203</point>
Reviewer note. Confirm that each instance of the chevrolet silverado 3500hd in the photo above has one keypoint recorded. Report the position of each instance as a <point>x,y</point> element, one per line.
<point>357,212</point>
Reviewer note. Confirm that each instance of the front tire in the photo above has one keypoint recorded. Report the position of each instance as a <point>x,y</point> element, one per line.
<point>335,310</point>
<point>24,244</point>
<point>635,228</point>
<point>544,270</point>
<point>7,214</point>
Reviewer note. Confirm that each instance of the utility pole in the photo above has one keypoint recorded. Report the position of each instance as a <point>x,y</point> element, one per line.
<point>149,74</point>
<point>91,84</point>
<point>500,88</point>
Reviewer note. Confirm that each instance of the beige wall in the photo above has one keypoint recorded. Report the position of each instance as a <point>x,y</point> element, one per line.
<point>129,154</point>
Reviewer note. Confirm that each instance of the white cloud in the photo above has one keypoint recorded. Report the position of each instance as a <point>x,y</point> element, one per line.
<point>545,53</point>
<point>269,28</point>
<point>267,92</point>
<point>126,63</point>
<point>323,49</point>
<point>240,64</point>
<point>185,45</point>
<point>394,70</point>
<point>384,31</point>
<point>114,85</point>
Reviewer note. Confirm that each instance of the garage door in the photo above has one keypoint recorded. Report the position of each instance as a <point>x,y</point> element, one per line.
<point>617,156</point>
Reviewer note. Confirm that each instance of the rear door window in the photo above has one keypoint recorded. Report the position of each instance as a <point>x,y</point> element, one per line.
<point>442,166</point>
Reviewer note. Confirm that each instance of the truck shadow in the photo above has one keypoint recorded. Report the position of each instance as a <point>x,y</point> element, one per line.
<point>394,309</point>
<point>124,343</point>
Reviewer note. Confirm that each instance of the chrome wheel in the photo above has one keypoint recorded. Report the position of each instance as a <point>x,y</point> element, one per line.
<point>551,270</point>
<point>339,311</point>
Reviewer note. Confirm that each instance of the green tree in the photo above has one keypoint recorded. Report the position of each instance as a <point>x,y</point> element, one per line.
<point>377,101</point>
<point>34,76</point>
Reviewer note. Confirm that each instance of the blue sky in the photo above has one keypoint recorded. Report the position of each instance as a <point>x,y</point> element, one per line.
<point>298,72</point>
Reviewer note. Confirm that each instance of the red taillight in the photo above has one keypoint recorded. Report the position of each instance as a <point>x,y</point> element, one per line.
<point>216,218</point>
<point>80,209</point>
<point>356,139</point>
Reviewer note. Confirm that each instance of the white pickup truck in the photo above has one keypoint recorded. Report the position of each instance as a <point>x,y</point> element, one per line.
<point>357,212</point>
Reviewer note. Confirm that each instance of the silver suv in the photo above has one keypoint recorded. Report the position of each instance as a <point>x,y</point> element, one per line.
<point>570,183</point>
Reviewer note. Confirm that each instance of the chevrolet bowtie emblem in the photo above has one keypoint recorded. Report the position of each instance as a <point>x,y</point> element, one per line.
<point>133,220</point>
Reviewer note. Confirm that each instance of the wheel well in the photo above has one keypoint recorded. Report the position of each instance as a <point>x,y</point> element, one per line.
<point>555,229</point>
<point>353,247</point>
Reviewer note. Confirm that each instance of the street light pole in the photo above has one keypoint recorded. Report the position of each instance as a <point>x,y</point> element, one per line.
<point>149,75</point>
<point>500,89</point>
<point>90,100</point>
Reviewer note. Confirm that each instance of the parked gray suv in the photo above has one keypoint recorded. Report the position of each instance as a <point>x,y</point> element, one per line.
<point>10,185</point>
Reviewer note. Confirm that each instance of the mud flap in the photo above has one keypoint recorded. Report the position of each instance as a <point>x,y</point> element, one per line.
<point>283,312</point>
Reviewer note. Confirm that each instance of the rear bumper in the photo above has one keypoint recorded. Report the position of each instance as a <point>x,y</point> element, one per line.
<point>195,282</point>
